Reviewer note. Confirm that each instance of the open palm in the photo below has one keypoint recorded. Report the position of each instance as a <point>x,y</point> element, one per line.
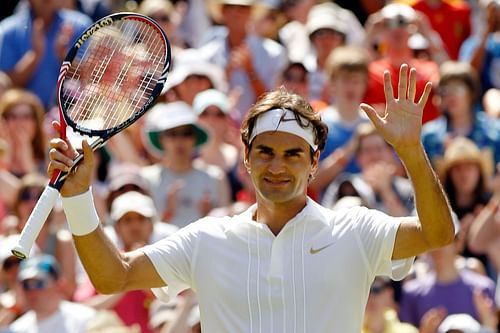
<point>401,123</point>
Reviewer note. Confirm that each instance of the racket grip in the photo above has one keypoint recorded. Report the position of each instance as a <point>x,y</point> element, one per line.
<point>35,222</point>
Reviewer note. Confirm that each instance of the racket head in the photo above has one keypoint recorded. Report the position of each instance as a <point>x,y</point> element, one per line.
<point>112,74</point>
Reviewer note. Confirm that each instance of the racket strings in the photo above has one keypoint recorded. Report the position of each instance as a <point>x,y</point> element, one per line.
<point>113,74</point>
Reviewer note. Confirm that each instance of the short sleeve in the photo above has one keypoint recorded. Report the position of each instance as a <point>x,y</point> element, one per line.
<point>377,233</point>
<point>173,259</point>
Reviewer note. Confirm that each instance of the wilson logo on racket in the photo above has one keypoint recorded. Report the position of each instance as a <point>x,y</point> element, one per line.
<point>92,30</point>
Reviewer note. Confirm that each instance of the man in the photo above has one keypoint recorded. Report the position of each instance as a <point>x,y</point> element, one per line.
<point>48,312</point>
<point>286,264</point>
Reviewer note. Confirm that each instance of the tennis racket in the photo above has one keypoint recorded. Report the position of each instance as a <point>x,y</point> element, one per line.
<point>109,79</point>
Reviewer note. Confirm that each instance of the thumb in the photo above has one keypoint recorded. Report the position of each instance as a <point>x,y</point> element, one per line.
<point>88,154</point>
<point>372,114</point>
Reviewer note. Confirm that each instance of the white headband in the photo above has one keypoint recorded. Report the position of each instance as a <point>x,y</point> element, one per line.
<point>283,120</point>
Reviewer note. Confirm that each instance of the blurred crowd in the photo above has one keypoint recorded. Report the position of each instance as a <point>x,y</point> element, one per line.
<point>182,160</point>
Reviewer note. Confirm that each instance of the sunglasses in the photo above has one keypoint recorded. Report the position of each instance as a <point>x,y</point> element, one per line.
<point>180,133</point>
<point>34,284</point>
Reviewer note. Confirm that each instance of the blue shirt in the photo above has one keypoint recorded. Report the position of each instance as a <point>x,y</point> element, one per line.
<point>16,39</point>
<point>485,133</point>
<point>490,73</point>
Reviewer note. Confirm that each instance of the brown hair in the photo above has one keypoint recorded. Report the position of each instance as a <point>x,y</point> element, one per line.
<point>281,98</point>
<point>16,96</point>
<point>347,58</point>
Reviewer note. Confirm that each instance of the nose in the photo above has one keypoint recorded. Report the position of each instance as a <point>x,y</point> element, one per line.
<point>276,165</point>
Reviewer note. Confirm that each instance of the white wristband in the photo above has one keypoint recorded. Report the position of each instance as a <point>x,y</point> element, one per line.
<point>80,213</point>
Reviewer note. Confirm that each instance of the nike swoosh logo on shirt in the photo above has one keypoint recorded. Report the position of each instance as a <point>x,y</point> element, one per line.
<point>314,251</point>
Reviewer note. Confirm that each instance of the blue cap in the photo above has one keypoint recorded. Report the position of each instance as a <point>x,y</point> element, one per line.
<point>38,267</point>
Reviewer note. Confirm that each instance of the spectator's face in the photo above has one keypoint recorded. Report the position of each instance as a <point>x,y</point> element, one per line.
<point>325,40</point>
<point>215,120</point>
<point>179,142</point>
<point>236,17</point>
<point>465,177</point>
<point>19,119</point>
<point>40,294</point>
<point>349,86</point>
<point>455,98</point>
<point>295,80</point>
<point>26,202</point>
<point>134,230</point>
<point>373,149</point>
<point>396,33</point>
<point>280,166</point>
<point>191,86</point>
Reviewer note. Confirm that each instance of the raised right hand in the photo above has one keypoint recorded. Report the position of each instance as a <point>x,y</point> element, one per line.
<point>61,156</point>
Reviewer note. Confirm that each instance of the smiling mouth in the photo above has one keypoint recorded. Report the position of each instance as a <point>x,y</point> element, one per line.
<point>276,181</point>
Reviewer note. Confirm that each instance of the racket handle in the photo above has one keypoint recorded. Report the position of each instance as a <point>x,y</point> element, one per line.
<point>35,222</point>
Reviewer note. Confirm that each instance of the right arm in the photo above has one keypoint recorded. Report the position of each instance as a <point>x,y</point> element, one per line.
<point>109,270</point>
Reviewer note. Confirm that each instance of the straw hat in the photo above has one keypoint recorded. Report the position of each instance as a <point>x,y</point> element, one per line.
<point>464,150</point>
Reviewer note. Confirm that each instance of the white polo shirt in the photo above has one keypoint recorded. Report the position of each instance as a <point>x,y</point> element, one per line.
<point>314,276</point>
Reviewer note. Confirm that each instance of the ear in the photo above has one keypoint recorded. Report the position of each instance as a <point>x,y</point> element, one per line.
<point>245,159</point>
<point>314,164</point>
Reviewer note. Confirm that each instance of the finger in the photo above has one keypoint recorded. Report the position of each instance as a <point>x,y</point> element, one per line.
<point>88,154</point>
<point>389,95</point>
<point>59,157</point>
<point>403,81</point>
<point>425,95</point>
<point>56,126</point>
<point>412,87</point>
<point>372,114</point>
<point>56,165</point>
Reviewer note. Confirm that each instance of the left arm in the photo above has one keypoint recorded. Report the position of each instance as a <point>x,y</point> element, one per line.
<point>401,126</point>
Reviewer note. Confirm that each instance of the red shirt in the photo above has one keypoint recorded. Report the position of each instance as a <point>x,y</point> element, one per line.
<point>450,20</point>
<point>426,71</point>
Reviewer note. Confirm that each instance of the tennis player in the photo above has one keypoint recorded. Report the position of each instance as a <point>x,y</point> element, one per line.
<point>286,264</point>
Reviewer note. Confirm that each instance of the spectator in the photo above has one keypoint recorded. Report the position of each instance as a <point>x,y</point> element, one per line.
<point>53,239</point>
<point>391,28</point>
<point>380,315</point>
<point>453,33</point>
<point>106,321</point>
<point>347,70</point>
<point>173,131</point>
<point>458,89</point>
<point>34,41</point>
<point>252,63</point>
<point>377,183</point>
<point>465,173</point>
<point>463,323</point>
<point>133,217</point>
<point>295,78</point>
<point>327,29</point>
<point>182,315</point>
<point>446,287</point>
<point>482,51</point>
<point>21,115</point>
<point>212,108</point>
<point>48,311</point>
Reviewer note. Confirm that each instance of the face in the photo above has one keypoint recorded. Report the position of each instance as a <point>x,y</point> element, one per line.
<point>179,142</point>
<point>465,176</point>
<point>455,98</point>
<point>191,86</point>
<point>21,119</point>
<point>215,120</point>
<point>295,80</point>
<point>349,86</point>
<point>39,292</point>
<point>280,166</point>
<point>325,40</point>
<point>236,17</point>
<point>373,149</point>
<point>134,230</point>
<point>397,32</point>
